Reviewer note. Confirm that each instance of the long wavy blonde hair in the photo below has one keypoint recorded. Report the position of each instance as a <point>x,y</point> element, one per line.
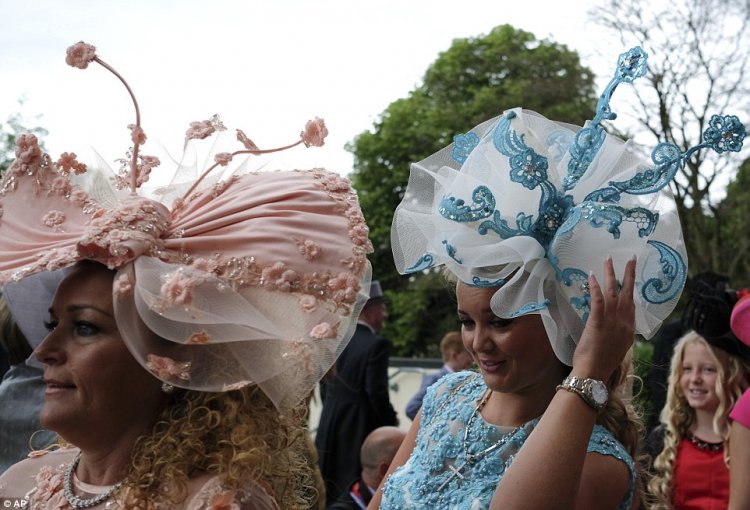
<point>679,417</point>
<point>238,435</point>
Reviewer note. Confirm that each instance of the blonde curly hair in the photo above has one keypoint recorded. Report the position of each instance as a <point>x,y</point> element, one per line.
<point>238,435</point>
<point>679,417</point>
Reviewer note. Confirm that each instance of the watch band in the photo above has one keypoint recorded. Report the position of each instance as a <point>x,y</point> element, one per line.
<point>582,388</point>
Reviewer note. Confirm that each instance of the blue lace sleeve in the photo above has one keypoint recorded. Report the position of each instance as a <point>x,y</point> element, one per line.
<point>603,442</point>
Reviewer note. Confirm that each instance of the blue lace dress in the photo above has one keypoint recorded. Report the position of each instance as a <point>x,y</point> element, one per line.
<point>428,478</point>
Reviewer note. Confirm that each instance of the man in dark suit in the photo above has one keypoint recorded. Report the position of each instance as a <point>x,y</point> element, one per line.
<point>376,455</point>
<point>356,400</point>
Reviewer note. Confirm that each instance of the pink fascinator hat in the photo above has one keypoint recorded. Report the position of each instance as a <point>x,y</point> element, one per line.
<point>740,319</point>
<point>251,278</point>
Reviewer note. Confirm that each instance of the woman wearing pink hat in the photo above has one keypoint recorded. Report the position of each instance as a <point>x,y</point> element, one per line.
<point>188,330</point>
<point>739,437</point>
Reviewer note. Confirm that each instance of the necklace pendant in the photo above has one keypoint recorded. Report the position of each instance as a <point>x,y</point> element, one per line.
<point>456,473</point>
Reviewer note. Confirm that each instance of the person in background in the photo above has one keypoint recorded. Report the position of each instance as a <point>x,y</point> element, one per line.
<point>705,283</point>
<point>705,381</point>
<point>376,456</point>
<point>356,399</point>
<point>455,359</point>
<point>739,435</point>
<point>23,309</point>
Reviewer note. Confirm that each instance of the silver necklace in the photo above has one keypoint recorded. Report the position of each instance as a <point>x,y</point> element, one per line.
<point>472,458</point>
<point>77,502</point>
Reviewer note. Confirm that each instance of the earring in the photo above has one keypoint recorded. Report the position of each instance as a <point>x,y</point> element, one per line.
<point>167,388</point>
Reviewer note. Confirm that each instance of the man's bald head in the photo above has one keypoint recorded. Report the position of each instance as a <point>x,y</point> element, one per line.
<point>378,451</point>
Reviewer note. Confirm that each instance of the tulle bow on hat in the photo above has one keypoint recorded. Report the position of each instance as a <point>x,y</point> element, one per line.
<point>254,279</point>
<point>532,206</point>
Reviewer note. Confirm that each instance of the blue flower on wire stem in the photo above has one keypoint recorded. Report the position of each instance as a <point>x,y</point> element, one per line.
<point>463,145</point>
<point>724,133</point>
<point>632,64</point>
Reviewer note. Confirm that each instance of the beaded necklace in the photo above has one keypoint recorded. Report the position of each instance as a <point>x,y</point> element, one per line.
<point>704,445</point>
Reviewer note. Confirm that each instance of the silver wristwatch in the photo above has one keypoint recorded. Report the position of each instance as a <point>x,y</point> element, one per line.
<point>593,392</point>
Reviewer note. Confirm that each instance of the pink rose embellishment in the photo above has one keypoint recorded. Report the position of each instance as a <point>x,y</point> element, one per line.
<point>68,162</point>
<point>167,368</point>
<point>308,303</point>
<point>123,285</point>
<point>315,133</point>
<point>79,197</point>
<point>204,128</point>
<point>224,501</point>
<point>53,219</point>
<point>199,338</point>
<point>309,249</point>
<point>60,186</point>
<point>177,291</point>
<point>80,55</point>
<point>27,148</point>
<point>360,234</point>
<point>323,330</point>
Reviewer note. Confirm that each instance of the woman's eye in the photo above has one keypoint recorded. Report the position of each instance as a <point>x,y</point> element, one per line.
<point>85,329</point>
<point>501,323</point>
<point>465,322</point>
<point>50,325</point>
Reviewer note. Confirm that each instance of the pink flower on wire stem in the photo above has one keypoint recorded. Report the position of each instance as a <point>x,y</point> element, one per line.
<point>315,133</point>
<point>223,158</point>
<point>80,55</point>
<point>137,134</point>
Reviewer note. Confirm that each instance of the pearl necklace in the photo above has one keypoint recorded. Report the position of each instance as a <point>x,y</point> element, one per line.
<point>78,502</point>
<point>472,458</point>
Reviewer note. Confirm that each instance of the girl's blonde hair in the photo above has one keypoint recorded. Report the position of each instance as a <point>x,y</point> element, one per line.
<point>239,435</point>
<point>678,417</point>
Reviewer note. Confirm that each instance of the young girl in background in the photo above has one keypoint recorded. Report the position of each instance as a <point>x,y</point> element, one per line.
<point>705,381</point>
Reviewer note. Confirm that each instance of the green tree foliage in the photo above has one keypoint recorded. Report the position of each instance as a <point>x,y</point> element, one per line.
<point>474,80</point>
<point>734,228</point>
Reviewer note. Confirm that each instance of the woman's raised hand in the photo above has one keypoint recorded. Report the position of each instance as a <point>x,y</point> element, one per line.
<point>610,328</point>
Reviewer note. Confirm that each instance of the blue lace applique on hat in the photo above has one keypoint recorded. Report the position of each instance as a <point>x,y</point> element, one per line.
<point>426,261</point>
<point>463,145</point>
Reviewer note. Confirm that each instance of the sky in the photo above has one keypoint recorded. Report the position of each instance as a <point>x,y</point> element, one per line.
<point>265,67</point>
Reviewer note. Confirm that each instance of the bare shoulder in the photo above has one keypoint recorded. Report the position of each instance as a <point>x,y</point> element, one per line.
<point>604,482</point>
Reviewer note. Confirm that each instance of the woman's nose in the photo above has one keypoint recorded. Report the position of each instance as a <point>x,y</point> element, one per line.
<point>481,342</point>
<point>49,351</point>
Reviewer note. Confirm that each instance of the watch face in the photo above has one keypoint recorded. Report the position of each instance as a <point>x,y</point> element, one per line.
<point>599,392</point>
